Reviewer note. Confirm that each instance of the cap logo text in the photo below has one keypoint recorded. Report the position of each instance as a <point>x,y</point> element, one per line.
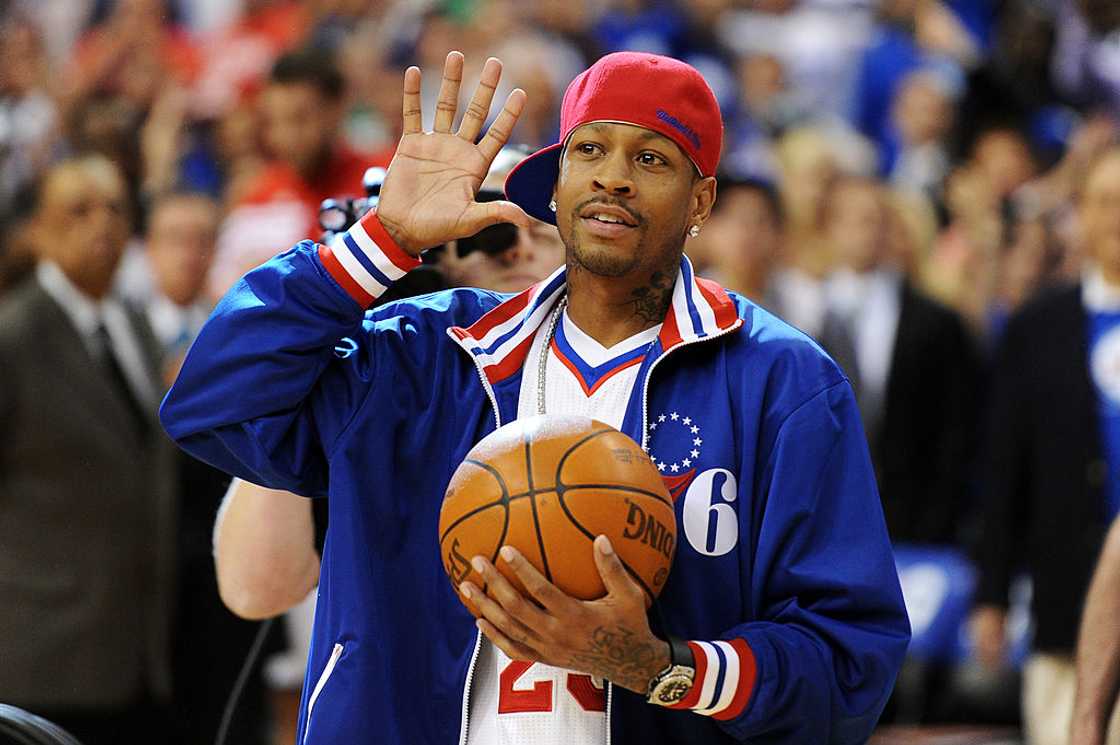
<point>680,126</point>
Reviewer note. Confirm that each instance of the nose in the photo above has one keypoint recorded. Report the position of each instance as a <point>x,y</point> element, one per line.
<point>613,175</point>
<point>521,250</point>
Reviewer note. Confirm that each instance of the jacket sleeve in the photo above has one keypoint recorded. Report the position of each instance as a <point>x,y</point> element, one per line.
<point>258,395</point>
<point>820,662</point>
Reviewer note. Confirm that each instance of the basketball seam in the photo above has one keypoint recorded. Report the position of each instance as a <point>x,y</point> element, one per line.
<point>533,506</point>
<point>502,501</point>
<point>561,488</point>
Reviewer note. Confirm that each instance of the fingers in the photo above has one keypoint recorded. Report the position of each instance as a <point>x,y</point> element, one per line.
<point>483,214</point>
<point>512,649</point>
<point>496,616</point>
<point>539,588</point>
<point>498,133</point>
<point>479,107</point>
<point>448,102</point>
<point>616,579</point>
<point>412,119</point>
<point>509,603</point>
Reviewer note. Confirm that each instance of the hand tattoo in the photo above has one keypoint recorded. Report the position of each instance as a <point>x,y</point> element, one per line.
<point>651,302</point>
<point>619,655</point>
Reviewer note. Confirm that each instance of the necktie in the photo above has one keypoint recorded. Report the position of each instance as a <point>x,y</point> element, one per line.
<point>119,381</point>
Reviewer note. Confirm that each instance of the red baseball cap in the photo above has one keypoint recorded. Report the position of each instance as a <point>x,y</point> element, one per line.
<point>658,93</point>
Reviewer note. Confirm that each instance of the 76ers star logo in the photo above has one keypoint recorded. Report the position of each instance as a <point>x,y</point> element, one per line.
<point>679,443</point>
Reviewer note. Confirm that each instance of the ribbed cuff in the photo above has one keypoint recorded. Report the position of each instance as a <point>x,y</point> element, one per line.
<point>365,261</point>
<point>725,679</point>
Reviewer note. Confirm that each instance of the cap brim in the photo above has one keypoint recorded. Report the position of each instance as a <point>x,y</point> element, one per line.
<point>531,183</point>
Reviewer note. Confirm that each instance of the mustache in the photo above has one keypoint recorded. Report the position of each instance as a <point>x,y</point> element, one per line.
<point>638,219</point>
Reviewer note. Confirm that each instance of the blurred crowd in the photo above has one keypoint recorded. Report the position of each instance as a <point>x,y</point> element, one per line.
<point>930,188</point>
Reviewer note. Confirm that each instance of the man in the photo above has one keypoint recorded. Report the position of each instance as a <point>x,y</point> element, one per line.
<point>1098,653</point>
<point>911,363</point>
<point>301,110</point>
<point>1054,455</point>
<point>210,643</point>
<point>86,484</point>
<point>784,562</point>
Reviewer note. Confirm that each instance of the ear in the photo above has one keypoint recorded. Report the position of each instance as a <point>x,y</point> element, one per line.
<point>703,198</point>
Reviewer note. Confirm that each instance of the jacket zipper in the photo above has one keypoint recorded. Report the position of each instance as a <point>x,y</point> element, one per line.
<point>467,690</point>
<point>464,722</point>
<point>645,383</point>
<point>610,691</point>
<point>336,653</point>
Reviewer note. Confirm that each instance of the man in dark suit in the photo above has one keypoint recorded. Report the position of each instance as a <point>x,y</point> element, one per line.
<point>1053,465</point>
<point>913,367</point>
<point>86,480</point>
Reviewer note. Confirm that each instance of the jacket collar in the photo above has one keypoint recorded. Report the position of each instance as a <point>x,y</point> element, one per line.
<point>500,339</point>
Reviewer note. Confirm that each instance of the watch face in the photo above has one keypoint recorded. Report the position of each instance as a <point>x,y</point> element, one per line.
<point>673,690</point>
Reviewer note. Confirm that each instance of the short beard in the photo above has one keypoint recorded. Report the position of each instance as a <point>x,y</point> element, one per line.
<point>603,262</point>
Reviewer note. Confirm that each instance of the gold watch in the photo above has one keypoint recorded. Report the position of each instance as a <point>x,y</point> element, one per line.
<point>673,683</point>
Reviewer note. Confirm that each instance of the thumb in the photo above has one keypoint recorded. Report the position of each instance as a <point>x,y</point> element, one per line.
<point>484,214</point>
<point>616,579</point>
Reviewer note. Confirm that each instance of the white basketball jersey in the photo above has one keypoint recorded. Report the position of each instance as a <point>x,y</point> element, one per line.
<point>520,703</point>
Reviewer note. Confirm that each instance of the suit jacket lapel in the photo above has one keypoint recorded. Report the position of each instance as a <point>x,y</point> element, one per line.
<point>81,374</point>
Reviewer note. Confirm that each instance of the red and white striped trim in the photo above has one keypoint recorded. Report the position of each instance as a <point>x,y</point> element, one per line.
<point>725,679</point>
<point>365,261</point>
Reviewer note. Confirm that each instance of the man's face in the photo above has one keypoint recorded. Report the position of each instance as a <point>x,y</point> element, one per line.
<point>857,225</point>
<point>744,233</point>
<point>299,125</point>
<point>625,199</point>
<point>83,223</point>
<point>537,253</point>
<point>181,237</point>
<point>1100,215</point>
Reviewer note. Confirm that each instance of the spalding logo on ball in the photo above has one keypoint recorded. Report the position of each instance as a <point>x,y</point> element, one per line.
<point>548,485</point>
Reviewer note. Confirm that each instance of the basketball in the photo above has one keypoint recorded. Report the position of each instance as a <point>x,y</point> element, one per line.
<point>548,485</point>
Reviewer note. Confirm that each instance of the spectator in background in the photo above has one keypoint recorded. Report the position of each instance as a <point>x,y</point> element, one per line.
<point>86,482</point>
<point>911,364</point>
<point>1096,716</point>
<point>210,644</point>
<point>740,244</point>
<point>917,157</point>
<point>301,108</point>
<point>30,125</point>
<point>1053,462</point>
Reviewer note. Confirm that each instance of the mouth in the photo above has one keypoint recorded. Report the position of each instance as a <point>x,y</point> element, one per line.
<point>607,220</point>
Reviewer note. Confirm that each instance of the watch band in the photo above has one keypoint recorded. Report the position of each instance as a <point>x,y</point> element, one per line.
<point>680,653</point>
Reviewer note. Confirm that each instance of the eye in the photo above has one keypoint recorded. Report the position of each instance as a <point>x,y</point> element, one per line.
<point>648,158</point>
<point>588,148</point>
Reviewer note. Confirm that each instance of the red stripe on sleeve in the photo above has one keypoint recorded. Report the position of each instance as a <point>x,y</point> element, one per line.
<point>693,696</point>
<point>748,673</point>
<point>336,270</point>
<point>388,246</point>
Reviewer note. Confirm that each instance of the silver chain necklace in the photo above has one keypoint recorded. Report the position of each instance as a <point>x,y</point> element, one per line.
<point>542,358</point>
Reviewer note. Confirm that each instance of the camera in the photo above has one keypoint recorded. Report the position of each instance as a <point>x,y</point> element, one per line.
<point>338,214</point>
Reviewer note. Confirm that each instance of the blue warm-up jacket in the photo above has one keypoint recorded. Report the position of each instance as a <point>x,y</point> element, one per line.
<point>783,575</point>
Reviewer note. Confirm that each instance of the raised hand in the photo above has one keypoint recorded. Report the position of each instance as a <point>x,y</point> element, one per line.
<point>428,196</point>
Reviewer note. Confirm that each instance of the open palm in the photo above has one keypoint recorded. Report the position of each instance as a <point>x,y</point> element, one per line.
<point>428,196</point>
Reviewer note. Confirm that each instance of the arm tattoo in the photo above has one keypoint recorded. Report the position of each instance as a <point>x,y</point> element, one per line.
<point>651,302</point>
<point>618,655</point>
